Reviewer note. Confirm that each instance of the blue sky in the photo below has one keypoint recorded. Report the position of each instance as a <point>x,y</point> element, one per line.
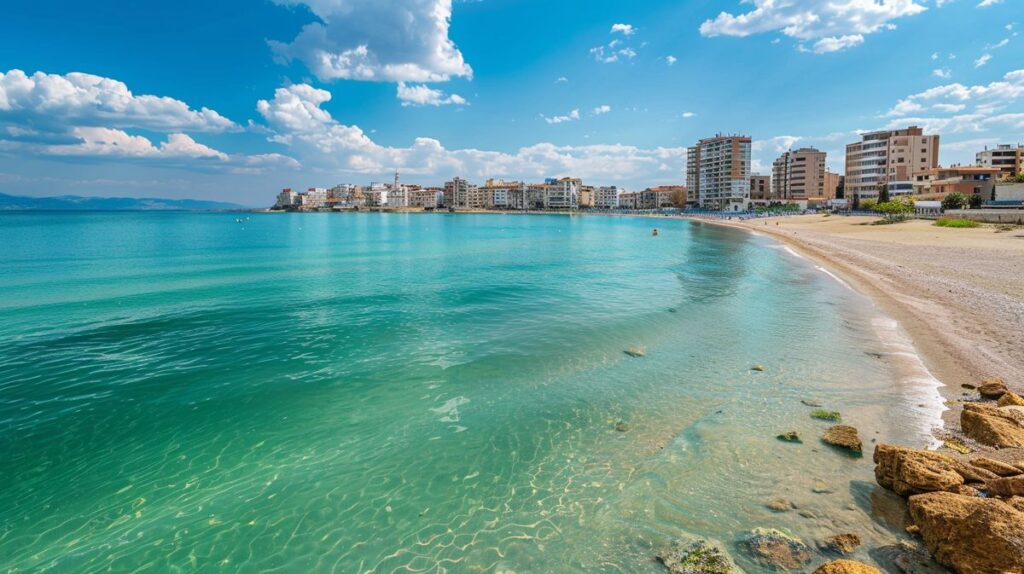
<point>233,100</point>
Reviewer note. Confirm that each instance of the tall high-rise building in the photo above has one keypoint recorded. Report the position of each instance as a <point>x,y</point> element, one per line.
<point>459,193</point>
<point>718,172</point>
<point>889,157</point>
<point>799,174</point>
<point>1009,159</point>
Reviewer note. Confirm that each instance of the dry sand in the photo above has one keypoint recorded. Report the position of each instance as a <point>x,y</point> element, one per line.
<point>959,293</point>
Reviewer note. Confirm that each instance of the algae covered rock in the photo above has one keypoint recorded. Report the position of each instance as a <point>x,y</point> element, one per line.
<point>824,415</point>
<point>700,557</point>
<point>846,567</point>
<point>843,436</point>
<point>993,426</point>
<point>776,549</point>
<point>970,535</point>
<point>636,352</point>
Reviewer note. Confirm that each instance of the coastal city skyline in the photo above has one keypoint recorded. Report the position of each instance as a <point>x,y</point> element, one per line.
<point>307,92</point>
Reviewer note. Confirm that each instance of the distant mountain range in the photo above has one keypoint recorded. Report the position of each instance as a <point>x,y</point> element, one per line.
<point>78,203</point>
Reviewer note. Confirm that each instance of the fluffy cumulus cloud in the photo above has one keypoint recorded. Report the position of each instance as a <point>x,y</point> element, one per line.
<point>601,110</point>
<point>957,107</point>
<point>569,117</point>
<point>420,95</point>
<point>87,116</point>
<point>377,40</point>
<point>85,99</point>
<point>624,29</point>
<point>826,25</point>
<point>295,118</point>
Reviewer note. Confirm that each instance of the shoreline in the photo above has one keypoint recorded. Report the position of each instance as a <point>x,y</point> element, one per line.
<point>946,338</point>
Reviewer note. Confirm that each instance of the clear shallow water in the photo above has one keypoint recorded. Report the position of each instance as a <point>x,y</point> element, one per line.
<point>426,393</point>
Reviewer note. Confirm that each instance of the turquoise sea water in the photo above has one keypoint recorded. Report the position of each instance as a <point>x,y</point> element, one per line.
<point>426,393</point>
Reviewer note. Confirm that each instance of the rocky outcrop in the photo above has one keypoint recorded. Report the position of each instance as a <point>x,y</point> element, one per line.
<point>1009,486</point>
<point>841,543</point>
<point>789,436</point>
<point>906,471</point>
<point>776,549</point>
<point>970,535</point>
<point>846,567</point>
<point>1011,399</point>
<point>699,557</point>
<point>993,426</point>
<point>843,436</point>
<point>993,389</point>
<point>995,467</point>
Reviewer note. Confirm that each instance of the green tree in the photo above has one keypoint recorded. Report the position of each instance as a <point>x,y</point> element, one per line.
<point>975,201</point>
<point>883,193</point>
<point>897,209</point>
<point>955,200</point>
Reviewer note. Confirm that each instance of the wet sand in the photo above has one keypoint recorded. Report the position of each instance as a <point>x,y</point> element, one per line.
<point>958,293</point>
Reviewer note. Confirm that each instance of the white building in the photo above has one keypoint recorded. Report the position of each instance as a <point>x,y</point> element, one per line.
<point>315,198</point>
<point>562,193</point>
<point>287,199</point>
<point>426,198</point>
<point>606,197</point>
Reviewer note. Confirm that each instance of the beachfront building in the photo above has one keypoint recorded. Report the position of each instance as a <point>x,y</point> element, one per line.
<point>430,198</point>
<point>1009,159</point>
<point>606,197</point>
<point>314,198</point>
<point>718,172</point>
<point>889,158</point>
<point>799,174</point>
<point>501,194</point>
<point>832,183</point>
<point>760,188</point>
<point>936,184</point>
<point>458,193</point>
<point>287,199</point>
<point>629,200</point>
<point>562,193</point>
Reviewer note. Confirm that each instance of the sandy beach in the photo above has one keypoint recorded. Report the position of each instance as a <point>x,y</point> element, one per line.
<point>959,293</point>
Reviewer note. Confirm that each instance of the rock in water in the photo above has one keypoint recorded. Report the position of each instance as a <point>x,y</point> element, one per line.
<point>776,549</point>
<point>622,426</point>
<point>1011,399</point>
<point>697,558</point>
<point>970,535</point>
<point>758,368</point>
<point>846,567</point>
<point>780,505</point>
<point>843,436</point>
<point>993,389</point>
<point>791,436</point>
<point>842,543</point>
<point>810,403</point>
<point>827,416</point>
<point>907,471</point>
<point>635,352</point>
<point>999,427</point>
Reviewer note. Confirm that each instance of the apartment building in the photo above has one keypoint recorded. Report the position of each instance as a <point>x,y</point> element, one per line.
<point>889,157</point>
<point>718,172</point>
<point>562,193</point>
<point>606,197</point>
<point>936,184</point>
<point>629,200</point>
<point>287,199</point>
<point>799,174</point>
<point>1009,159</point>
<point>832,183</point>
<point>459,193</point>
<point>760,187</point>
<point>430,198</point>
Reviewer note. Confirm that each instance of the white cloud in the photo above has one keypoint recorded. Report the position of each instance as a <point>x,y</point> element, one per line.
<point>943,73</point>
<point>600,110</point>
<point>1000,44</point>
<point>982,60</point>
<point>562,80</point>
<point>295,118</point>
<point>986,98</point>
<point>671,60</point>
<point>935,55</point>
<point>570,117</point>
<point>112,142</point>
<point>411,95</point>
<point>78,99</point>
<point>393,41</point>
<point>689,114</point>
<point>987,3</point>
<point>624,29</point>
<point>778,144</point>
<point>830,24</point>
<point>949,108</point>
